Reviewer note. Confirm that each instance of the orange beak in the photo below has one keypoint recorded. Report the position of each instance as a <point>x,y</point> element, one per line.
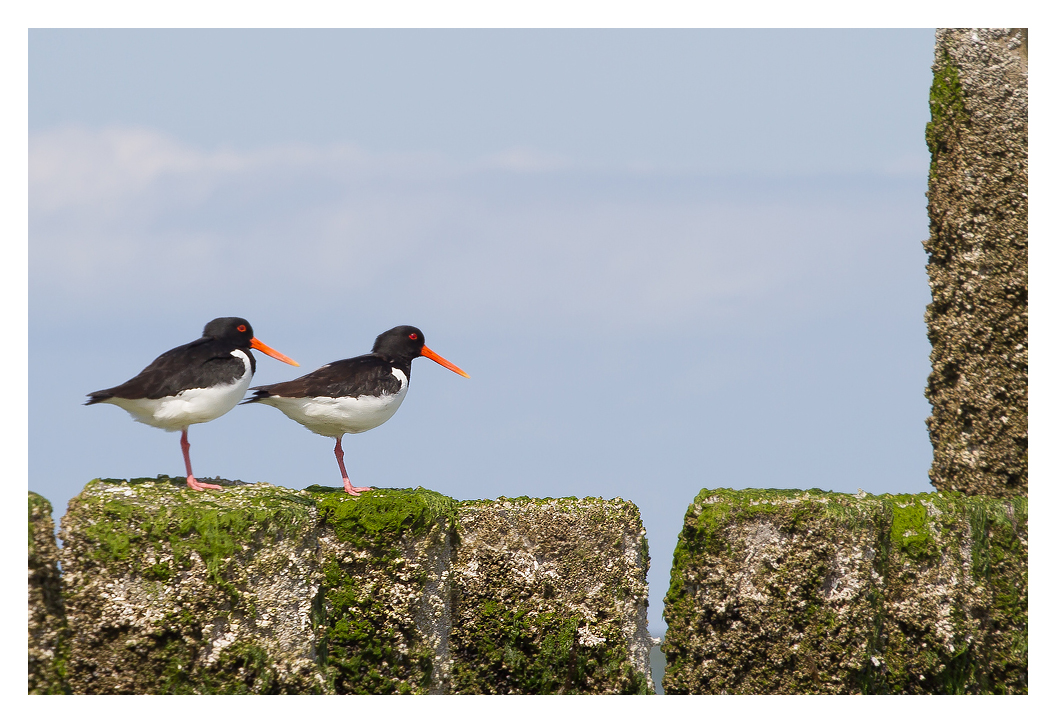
<point>427,352</point>
<point>257,344</point>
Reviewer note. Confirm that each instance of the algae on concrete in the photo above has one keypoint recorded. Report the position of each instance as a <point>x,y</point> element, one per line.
<point>784,591</point>
<point>48,633</point>
<point>259,589</point>
<point>169,590</point>
<point>550,598</point>
<point>387,595</point>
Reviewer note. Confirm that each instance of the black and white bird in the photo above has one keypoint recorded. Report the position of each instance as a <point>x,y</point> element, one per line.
<point>353,395</point>
<point>196,382</point>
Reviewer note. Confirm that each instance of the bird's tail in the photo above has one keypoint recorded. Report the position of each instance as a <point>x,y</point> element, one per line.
<point>259,393</point>
<point>100,396</point>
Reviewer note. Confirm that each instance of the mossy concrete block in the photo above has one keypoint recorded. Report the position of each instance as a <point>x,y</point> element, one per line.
<point>978,261</point>
<point>783,591</point>
<point>955,615</point>
<point>387,592</point>
<point>48,633</point>
<point>259,589</point>
<point>174,591</point>
<point>550,597</point>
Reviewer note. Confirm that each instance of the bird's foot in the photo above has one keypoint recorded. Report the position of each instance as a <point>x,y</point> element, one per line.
<point>193,484</point>
<point>353,490</point>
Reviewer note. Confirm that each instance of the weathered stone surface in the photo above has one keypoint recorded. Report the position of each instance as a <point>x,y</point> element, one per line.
<point>978,261</point>
<point>387,590</point>
<point>47,616</point>
<point>261,589</point>
<point>784,591</point>
<point>173,591</point>
<point>550,598</point>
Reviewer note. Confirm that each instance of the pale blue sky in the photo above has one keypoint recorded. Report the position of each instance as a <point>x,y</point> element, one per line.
<point>761,101</point>
<point>669,259</point>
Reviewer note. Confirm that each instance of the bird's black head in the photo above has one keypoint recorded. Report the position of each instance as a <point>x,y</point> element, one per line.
<point>235,330</point>
<point>402,344</point>
<point>238,332</point>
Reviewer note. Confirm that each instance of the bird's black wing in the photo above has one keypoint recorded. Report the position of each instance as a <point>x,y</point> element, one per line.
<point>365,375</point>
<point>202,363</point>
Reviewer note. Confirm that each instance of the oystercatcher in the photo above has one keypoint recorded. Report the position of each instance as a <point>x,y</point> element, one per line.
<point>195,382</point>
<point>353,395</point>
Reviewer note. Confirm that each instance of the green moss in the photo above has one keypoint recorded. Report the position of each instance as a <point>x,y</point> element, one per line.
<point>522,635</point>
<point>526,651</point>
<point>242,668</point>
<point>928,663</point>
<point>49,636</point>
<point>910,528</point>
<point>197,524</point>
<point>889,641</point>
<point>173,658</point>
<point>158,571</point>
<point>380,550</point>
<point>568,502</point>
<point>371,648</point>
<point>159,529</point>
<point>712,513</point>
<point>39,508</point>
<point>380,517</point>
<point>947,107</point>
<point>367,651</point>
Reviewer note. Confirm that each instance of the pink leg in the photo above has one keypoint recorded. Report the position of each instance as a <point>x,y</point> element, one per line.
<point>191,482</point>
<point>349,487</point>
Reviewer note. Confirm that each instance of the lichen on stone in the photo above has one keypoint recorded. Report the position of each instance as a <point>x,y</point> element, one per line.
<point>174,591</point>
<point>260,589</point>
<point>812,592</point>
<point>977,321</point>
<point>48,648</point>
<point>551,598</point>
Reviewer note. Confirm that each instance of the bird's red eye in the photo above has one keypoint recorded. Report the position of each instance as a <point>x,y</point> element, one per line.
<point>412,336</point>
<point>242,327</point>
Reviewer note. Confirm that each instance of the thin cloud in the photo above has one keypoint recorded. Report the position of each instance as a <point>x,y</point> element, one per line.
<point>520,237</point>
<point>527,160</point>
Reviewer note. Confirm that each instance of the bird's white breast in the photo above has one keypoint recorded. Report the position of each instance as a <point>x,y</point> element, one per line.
<point>335,416</point>
<point>200,404</point>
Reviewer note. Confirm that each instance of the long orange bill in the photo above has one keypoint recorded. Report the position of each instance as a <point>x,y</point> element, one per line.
<point>257,344</point>
<point>427,352</point>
